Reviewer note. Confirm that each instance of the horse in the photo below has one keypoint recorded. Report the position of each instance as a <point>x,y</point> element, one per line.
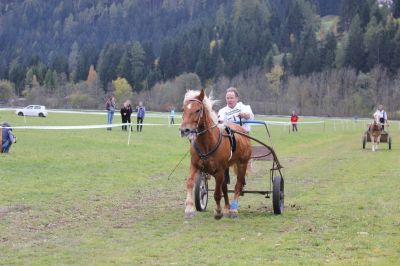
<point>375,131</point>
<point>211,152</point>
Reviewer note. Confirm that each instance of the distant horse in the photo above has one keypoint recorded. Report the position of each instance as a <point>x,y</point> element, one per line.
<point>211,152</point>
<point>375,131</point>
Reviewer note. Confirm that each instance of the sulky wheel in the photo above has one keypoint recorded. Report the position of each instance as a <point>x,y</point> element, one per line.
<point>278,194</point>
<point>201,192</point>
<point>364,141</point>
<point>390,142</point>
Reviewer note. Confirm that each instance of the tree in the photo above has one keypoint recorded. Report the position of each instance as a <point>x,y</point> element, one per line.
<point>49,81</point>
<point>88,56</point>
<point>123,91</point>
<point>373,39</point>
<point>92,76</point>
<point>354,52</point>
<point>138,67</point>
<point>132,65</point>
<point>73,62</point>
<point>274,78</point>
<point>328,53</point>
<point>6,90</point>
<point>16,74</point>
<point>59,63</point>
<point>396,9</point>
<point>306,54</point>
<point>349,9</point>
<point>107,64</point>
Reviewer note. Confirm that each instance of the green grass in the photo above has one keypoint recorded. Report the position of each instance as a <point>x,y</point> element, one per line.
<point>85,197</point>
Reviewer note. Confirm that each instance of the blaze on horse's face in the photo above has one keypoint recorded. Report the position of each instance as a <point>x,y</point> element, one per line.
<point>192,114</point>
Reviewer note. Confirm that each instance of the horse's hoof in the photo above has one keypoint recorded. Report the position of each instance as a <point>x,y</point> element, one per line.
<point>233,213</point>
<point>218,215</point>
<point>225,213</point>
<point>190,215</point>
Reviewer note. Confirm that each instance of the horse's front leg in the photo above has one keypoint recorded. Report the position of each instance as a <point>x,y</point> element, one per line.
<point>372,142</point>
<point>378,140</point>
<point>219,179</point>
<point>190,210</point>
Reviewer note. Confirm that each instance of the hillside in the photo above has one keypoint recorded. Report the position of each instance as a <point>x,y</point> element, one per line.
<point>47,49</point>
<point>69,36</point>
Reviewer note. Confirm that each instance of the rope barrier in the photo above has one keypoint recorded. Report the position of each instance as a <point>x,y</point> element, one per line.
<point>81,127</point>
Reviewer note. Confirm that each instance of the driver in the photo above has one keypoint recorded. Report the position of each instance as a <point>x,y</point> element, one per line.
<point>234,111</point>
<point>381,116</point>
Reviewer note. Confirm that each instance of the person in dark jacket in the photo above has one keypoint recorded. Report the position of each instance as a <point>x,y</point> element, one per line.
<point>126,112</point>
<point>141,110</point>
<point>7,137</point>
<point>123,112</point>
<point>129,113</point>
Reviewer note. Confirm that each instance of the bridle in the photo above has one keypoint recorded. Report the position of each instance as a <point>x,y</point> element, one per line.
<point>204,156</point>
<point>201,114</point>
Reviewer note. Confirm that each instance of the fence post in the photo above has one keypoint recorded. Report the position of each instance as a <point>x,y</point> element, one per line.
<point>1,139</point>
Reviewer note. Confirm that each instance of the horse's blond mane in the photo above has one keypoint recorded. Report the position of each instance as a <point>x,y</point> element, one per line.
<point>207,101</point>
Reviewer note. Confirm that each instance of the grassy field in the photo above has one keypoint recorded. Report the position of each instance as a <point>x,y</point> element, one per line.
<point>85,197</point>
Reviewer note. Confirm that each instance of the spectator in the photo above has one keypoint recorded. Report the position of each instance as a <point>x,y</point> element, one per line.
<point>293,119</point>
<point>141,110</point>
<point>172,116</point>
<point>126,112</point>
<point>129,113</point>
<point>7,138</point>
<point>110,107</point>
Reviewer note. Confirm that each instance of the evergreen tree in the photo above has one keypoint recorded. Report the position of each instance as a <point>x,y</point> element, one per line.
<point>373,39</point>
<point>16,75</point>
<point>49,82</point>
<point>167,59</point>
<point>138,67</point>
<point>107,64</point>
<point>328,53</point>
<point>306,54</point>
<point>396,9</point>
<point>59,63</point>
<point>73,62</point>
<point>349,9</point>
<point>88,56</point>
<point>354,51</point>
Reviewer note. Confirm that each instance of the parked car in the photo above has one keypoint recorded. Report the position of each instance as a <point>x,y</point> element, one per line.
<point>32,110</point>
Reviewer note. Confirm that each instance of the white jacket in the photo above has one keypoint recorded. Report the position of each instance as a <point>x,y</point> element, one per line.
<point>379,114</point>
<point>229,115</point>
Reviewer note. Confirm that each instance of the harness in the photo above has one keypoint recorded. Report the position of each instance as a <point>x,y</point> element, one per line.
<point>232,139</point>
<point>204,156</point>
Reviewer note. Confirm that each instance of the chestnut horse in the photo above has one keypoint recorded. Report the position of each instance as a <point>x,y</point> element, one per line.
<point>210,150</point>
<point>374,131</point>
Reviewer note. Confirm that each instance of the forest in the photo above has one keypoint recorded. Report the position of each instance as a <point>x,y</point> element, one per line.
<point>318,57</point>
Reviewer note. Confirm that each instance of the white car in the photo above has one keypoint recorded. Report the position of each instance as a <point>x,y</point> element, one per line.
<point>32,110</point>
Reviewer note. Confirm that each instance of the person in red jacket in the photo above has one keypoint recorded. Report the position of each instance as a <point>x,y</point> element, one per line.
<point>293,119</point>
